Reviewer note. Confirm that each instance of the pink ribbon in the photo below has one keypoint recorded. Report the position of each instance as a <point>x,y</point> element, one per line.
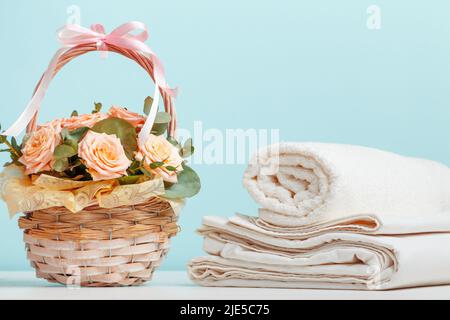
<point>74,35</point>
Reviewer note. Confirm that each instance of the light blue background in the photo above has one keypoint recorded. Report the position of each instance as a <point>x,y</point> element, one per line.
<point>310,68</point>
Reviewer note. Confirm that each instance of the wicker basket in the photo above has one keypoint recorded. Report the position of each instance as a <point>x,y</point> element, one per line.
<point>101,247</point>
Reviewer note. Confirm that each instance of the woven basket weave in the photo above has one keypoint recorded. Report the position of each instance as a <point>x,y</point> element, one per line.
<point>101,247</point>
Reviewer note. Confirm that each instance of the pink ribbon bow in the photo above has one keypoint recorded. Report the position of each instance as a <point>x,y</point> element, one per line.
<point>74,35</point>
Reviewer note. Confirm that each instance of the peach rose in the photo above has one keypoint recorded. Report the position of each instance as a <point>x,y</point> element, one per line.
<point>104,156</point>
<point>39,148</point>
<point>158,149</point>
<point>55,124</point>
<point>134,118</point>
<point>84,120</point>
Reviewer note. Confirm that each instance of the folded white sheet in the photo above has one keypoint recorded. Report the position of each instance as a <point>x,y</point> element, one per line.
<point>244,253</point>
<point>303,184</point>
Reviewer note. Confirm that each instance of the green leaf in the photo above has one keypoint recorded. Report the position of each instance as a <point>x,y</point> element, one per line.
<point>65,151</point>
<point>159,129</point>
<point>174,142</point>
<point>97,107</point>
<point>188,185</point>
<point>129,180</point>
<point>156,165</point>
<point>65,133</point>
<point>163,117</point>
<point>161,123</point>
<point>75,135</point>
<point>142,162</point>
<point>135,166</point>
<point>72,143</point>
<point>74,114</point>
<point>170,168</point>
<point>14,157</point>
<point>148,105</point>
<point>123,130</point>
<point>61,165</point>
<point>15,145</point>
<point>146,172</point>
<point>188,149</point>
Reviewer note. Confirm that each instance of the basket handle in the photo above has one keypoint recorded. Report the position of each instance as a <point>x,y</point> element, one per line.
<point>77,41</point>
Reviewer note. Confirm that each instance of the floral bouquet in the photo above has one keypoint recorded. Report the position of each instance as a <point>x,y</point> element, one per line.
<point>104,147</point>
<point>101,192</point>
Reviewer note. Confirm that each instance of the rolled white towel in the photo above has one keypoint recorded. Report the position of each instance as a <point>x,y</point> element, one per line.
<point>299,184</point>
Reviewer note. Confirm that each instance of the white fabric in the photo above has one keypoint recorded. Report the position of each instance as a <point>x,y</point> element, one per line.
<point>317,182</point>
<point>243,254</point>
<point>333,216</point>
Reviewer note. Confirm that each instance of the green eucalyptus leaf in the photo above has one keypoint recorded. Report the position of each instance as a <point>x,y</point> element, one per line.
<point>161,123</point>
<point>159,129</point>
<point>163,117</point>
<point>15,145</point>
<point>135,166</point>
<point>61,165</point>
<point>65,133</point>
<point>123,130</point>
<point>188,185</point>
<point>75,135</point>
<point>156,165</point>
<point>14,157</point>
<point>189,143</point>
<point>146,172</point>
<point>65,151</point>
<point>188,149</point>
<point>73,144</point>
<point>148,105</point>
<point>129,180</point>
<point>174,142</point>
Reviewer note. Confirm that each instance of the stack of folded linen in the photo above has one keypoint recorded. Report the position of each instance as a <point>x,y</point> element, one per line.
<point>333,216</point>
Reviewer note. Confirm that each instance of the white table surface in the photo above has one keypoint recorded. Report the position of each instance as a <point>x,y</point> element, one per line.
<point>177,286</point>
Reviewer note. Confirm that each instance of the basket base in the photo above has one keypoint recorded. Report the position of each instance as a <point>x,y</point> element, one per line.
<point>110,263</point>
<point>99,247</point>
<point>77,281</point>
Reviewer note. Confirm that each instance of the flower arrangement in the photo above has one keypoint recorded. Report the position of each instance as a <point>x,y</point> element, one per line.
<point>101,192</point>
<point>104,147</point>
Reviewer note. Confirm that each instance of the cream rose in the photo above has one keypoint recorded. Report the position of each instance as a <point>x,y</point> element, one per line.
<point>39,148</point>
<point>158,149</point>
<point>134,118</point>
<point>104,156</point>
